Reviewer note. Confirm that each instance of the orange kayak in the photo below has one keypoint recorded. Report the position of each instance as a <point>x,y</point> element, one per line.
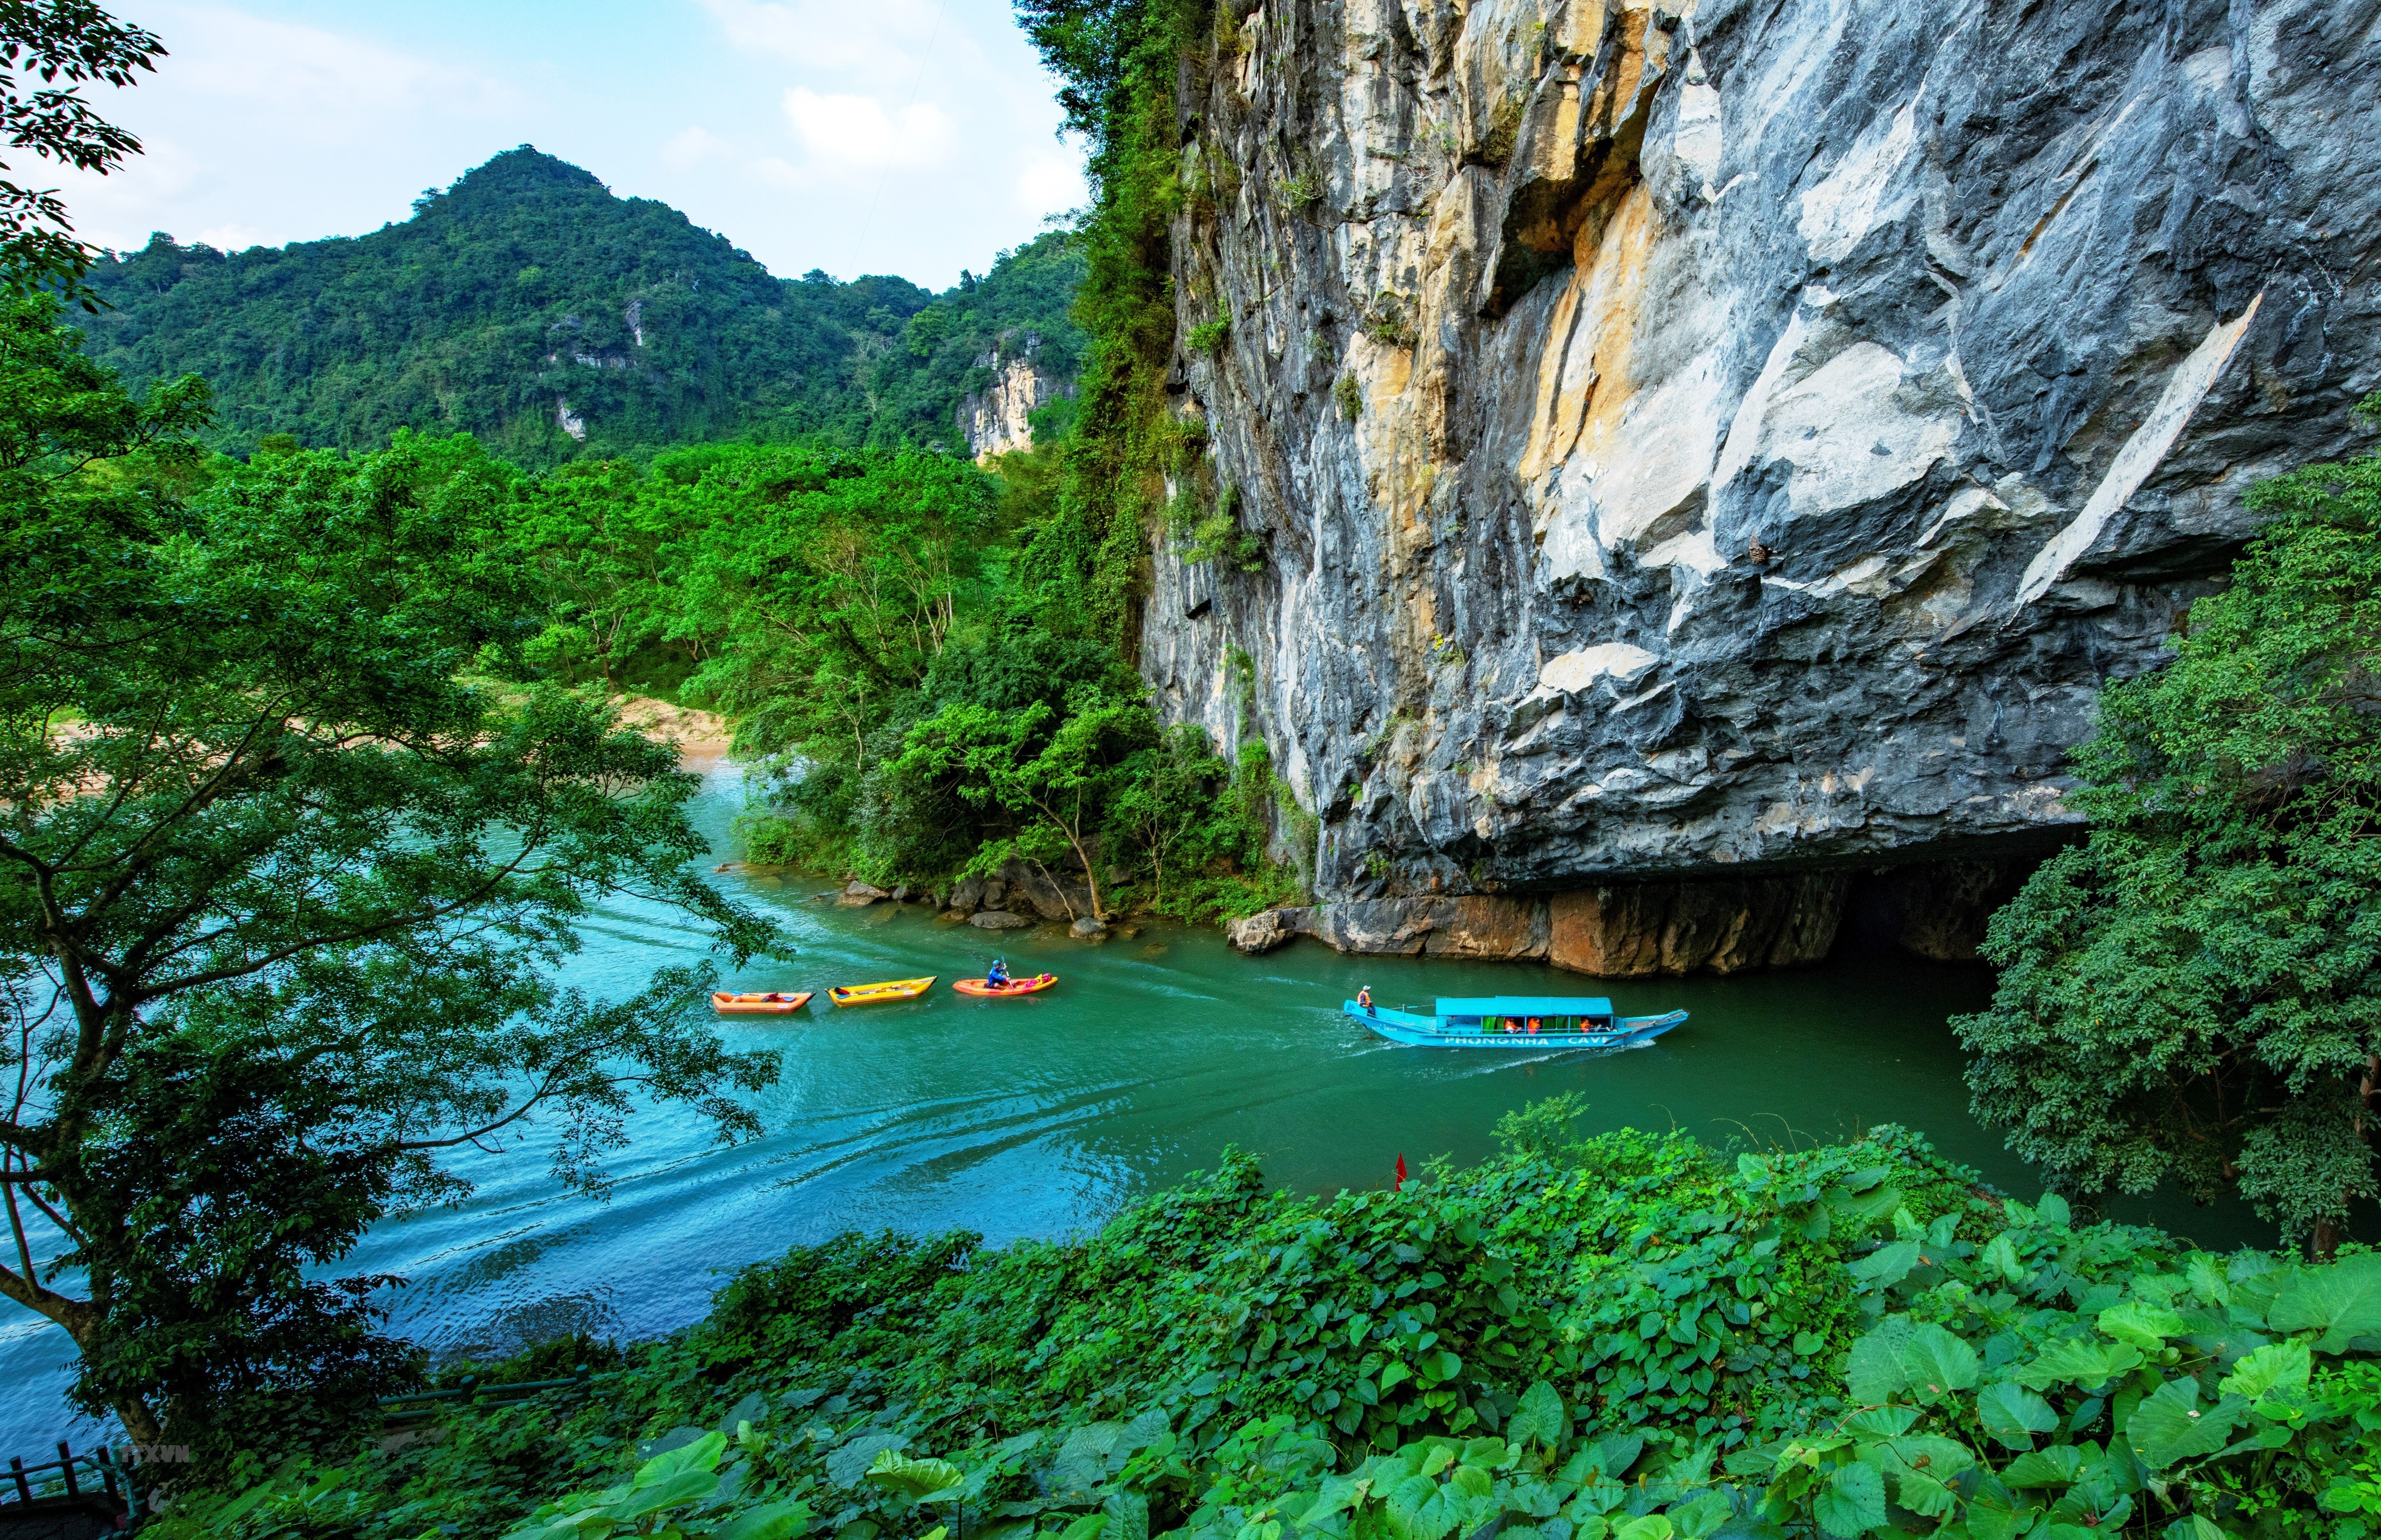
<point>1014,987</point>
<point>758,1005</point>
<point>869,994</point>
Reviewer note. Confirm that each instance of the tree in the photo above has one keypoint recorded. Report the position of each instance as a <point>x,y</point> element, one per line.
<point>77,42</point>
<point>1166,800</point>
<point>281,889</point>
<point>1057,782</point>
<point>2194,991</point>
<point>598,547</point>
<point>836,581</point>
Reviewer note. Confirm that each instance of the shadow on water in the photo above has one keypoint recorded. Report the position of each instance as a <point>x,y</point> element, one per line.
<point>1042,1115</point>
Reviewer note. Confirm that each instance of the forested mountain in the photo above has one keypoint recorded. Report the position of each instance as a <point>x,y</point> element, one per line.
<point>528,305</point>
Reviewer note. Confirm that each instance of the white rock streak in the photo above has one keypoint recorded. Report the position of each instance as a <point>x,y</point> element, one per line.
<point>2141,454</point>
<point>1866,190</point>
<point>1577,670</point>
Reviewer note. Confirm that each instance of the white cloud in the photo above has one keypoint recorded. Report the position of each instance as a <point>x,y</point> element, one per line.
<point>339,87</point>
<point>249,112</point>
<point>1047,187</point>
<point>694,146</point>
<point>882,39</point>
<point>843,134</point>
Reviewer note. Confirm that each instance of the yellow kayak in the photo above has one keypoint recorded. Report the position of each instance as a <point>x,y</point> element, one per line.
<point>869,994</point>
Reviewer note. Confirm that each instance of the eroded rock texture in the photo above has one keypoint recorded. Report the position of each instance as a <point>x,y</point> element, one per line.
<point>995,420</point>
<point>1738,439</point>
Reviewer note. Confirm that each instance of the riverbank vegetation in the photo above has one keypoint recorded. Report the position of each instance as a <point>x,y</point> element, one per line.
<point>918,672</point>
<point>1624,1336</point>
<point>2192,994</point>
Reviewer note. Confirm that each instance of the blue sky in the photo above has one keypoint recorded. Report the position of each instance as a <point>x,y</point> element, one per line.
<point>915,137</point>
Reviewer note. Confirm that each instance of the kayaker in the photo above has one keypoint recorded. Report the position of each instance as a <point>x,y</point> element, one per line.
<point>997,977</point>
<point>1364,996</point>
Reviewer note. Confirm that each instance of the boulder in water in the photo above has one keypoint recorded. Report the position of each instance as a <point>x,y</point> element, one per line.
<point>995,919</point>
<point>1260,932</point>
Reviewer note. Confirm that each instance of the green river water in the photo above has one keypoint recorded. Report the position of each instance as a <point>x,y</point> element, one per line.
<point>1042,1115</point>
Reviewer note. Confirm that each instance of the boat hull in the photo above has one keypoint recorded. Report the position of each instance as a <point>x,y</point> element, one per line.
<point>758,1005</point>
<point>877,994</point>
<point>983,990</point>
<point>1410,1030</point>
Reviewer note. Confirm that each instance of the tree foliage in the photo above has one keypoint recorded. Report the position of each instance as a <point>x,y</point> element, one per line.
<point>864,617</point>
<point>281,889</point>
<point>2192,993</point>
<point>67,44</point>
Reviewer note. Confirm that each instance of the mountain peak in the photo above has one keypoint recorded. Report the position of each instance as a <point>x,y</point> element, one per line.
<point>525,173</point>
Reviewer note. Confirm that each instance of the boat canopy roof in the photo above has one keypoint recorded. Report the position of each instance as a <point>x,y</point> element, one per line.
<point>1526,1005</point>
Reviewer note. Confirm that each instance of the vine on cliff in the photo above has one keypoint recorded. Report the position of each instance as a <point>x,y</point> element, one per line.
<point>1115,61</point>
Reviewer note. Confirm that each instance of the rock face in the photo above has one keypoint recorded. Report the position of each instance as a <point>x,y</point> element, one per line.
<point>994,420</point>
<point>1735,440</point>
<point>1622,931</point>
<point>1026,888</point>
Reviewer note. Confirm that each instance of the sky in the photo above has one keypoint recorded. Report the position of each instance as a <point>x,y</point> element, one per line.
<point>909,137</point>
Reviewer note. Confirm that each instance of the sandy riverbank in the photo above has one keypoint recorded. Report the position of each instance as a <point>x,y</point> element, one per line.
<point>699,735</point>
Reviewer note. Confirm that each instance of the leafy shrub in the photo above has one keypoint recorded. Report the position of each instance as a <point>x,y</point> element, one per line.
<point>1389,320</point>
<point>1209,336</point>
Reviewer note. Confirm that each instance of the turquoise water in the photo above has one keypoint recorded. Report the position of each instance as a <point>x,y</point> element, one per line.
<point>1041,1115</point>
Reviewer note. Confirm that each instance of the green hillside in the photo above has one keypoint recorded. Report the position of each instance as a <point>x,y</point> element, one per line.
<point>527,301</point>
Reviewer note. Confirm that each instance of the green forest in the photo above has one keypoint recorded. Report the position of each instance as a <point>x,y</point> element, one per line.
<point>315,625</point>
<point>526,290</point>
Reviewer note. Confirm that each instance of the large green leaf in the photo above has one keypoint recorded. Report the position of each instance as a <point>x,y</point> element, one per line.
<point>1882,1421</point>
<point>913,1478</point>
<point>2276,1365</point>
<point>2146,1327</point>
<point>2001,1258</point>
<point>847,1465</point>
<point>2013,1414</point>
<point>1540,1419</point>
<point>1852,1502</point>
<point>1701,1517</point>
<point>1921,1465</point>
<point>1889,1265</point>
<point>2078,1360</point>
<point>2170,1425</point>
<point>1653,1526</point>
<point>1901,1358</point>
<point>2340,1301</point>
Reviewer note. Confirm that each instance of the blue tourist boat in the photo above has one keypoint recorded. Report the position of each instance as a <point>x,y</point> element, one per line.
<point>1516,1021</point>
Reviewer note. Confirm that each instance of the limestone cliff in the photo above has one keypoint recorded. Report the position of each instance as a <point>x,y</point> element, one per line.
<point>997,419</point>
<point>1736,440</point>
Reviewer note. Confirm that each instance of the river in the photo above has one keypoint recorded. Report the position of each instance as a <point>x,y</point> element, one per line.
<point>1040,1116</point>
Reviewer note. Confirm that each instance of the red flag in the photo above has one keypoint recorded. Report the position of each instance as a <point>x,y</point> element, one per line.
<point>1401,1173</point>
